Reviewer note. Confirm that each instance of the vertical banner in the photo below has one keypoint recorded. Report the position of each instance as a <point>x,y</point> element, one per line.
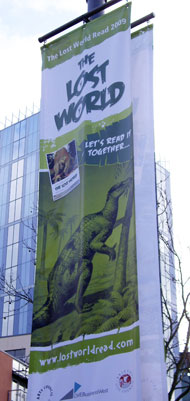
<point>153,369</point>
<point>85,339</point>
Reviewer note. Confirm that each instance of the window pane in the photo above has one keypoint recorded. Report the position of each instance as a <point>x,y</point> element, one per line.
<point>3,159</point>
<point>10,235</point>
<point>1,195</point>
<point>26,206</point>
<point>1,175</point>
<point>5,174</point>
<point>19,188</point>
<point>31,124</point>
<point>36,122</point>
<point>23,317</point>
<point>15,365</point>
<point>3,214</point>
<point>24,254</point>
<point>16,134</point>
<point>15,255</point>
<point>29,164</point>
<point>18,209</point>
<point>30,183</point>
<point>11,211</point>
<point>1,254</point>
<point>5,321</point>
<point>8,153</point>
<point>4,138</point>
<point>33,162</point>
<point>5,186</point>
<point>9,257</point>
<point>13,190</point>
<point>11,321</point>
<point>15,150</point>
<point>27,189</point>
<point>16,232</point>
<point>21,147</point>
<point>32,206</point>
<point>22,128</point>
<point>14,171</point>
<point>14,275</point>
<point>25,274</point>
<point>9,135</point>
<point>1,237</point>
<point>20,168</point>
<point>30,143</point>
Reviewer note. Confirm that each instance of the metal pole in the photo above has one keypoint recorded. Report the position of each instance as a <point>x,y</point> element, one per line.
<point>142,20</point>
<point>92,4</point>
<point>85,18</point>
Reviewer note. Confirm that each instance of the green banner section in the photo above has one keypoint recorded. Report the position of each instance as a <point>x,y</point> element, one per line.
<point>84,351</point>
<point>85,37</point>
<point>86,259</point>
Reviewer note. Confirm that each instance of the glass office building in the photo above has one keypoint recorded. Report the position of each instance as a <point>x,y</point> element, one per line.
<point>19,166</point>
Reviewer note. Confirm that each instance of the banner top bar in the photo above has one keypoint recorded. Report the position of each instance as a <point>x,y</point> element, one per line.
<point>85,18</point>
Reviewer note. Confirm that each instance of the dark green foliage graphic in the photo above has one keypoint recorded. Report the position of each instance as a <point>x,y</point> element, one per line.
<point>91,286</point>
<point>51,218</point>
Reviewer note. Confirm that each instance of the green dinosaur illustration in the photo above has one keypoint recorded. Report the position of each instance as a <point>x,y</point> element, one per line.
<point>72,271</point>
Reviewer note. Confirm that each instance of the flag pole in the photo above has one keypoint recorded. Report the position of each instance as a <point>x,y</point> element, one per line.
<point>92,4</point>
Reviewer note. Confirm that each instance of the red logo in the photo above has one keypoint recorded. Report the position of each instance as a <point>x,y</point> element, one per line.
<point>125,381</point>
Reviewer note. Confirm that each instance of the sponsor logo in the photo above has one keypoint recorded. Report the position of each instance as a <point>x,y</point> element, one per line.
<point>74,393</point>
<point>45,393</point>
<point>124,381</point>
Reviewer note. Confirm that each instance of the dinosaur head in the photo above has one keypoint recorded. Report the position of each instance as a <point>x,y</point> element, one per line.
<point>118,189</point>
<point>111,206</point>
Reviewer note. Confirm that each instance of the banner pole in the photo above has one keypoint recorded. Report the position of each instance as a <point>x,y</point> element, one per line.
<point>92,4</point>
<point>82,18</point>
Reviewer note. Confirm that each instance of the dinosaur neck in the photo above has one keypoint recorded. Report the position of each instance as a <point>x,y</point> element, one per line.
<point>110,209</point>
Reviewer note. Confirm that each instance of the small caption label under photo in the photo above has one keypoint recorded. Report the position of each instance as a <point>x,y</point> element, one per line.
<point>63,170</point>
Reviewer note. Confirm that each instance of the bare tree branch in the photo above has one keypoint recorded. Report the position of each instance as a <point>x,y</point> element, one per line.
<point>172,282</point>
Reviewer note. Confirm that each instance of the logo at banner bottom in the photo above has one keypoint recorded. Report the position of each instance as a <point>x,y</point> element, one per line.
<point>124,381</point>
<point>72,393</point>
<point>45,393</point>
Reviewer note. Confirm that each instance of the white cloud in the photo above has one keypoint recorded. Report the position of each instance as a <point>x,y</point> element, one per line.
<point>20,74</point>
<point>43,5</point>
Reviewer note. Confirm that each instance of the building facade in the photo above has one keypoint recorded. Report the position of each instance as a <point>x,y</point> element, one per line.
<point>19,166</point>
<point>167,272</point>
<point>13,378</point>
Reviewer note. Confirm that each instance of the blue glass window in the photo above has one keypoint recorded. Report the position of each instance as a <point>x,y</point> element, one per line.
<point>21,147</point>
<point>17,132</point>
<point>15,150</point>
<point>22,129</point>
